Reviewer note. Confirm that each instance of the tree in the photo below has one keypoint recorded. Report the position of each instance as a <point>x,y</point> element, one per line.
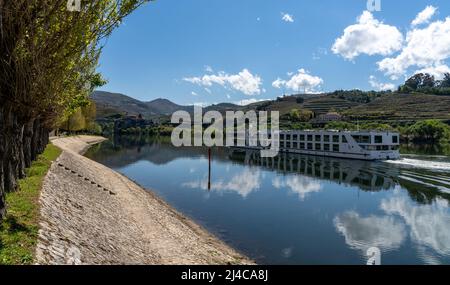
<point>426,83</point>
<point>48,60</point>
<point>445,83</point>
<point>81,119</point>
<point>429,131</point>
<point>414,81</point>
<point>76,121</point>
<point>300,115</point>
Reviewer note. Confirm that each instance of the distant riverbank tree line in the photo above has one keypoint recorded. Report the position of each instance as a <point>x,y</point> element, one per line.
<point>48,63</point>
<point>427,131</point>
<point>81,120</point>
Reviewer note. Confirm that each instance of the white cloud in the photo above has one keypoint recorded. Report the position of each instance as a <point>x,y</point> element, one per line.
<point>424,16</point>
<point>242,183</point>
<point>428,224</point>
<point>437,71</point>
<point>301,81</point>
<point>249,101</point>
<point>425,48</point>
<point>194,93</point>
<point>379,85</point>
<point>244,81</point>
<point>300,185</point>
<point>279,83</point>
<point>287,17</point>
<point>369,36</point>
<point>208,69</point>
<point>365,232</point>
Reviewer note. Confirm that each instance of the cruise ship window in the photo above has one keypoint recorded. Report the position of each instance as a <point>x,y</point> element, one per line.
<point>318,138</point>
<point>310,138</point>
<point>302,145</point>
<point>295,137</point>
<point>288,144</point>
<point>335,139</point>
<point>378,139</point>
<point>318,146</point>
<point>310,146</point>
<point>344,139</point>
<point>365,139</point>
<point>394,139</point>
<point>326,138</point>
<point>302,137</point>
<point>326,147</point>
<point>336,147</point>
<point>281,136</point>
<point>295,145</point>
<point>385,147</point>
<point>288,137</point>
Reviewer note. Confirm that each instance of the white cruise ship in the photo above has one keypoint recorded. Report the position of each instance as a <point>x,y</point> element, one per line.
<point>365,145</point>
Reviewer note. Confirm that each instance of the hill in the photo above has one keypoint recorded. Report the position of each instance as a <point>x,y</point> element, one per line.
<point>325,104</point>
<point>112,103</point>
<point>396,106</point>
<point>165,107</point>
<point>382,106</point>
<point>109,103</point>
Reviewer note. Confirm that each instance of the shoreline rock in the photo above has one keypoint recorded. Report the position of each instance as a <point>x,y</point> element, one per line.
<point>91,214</point>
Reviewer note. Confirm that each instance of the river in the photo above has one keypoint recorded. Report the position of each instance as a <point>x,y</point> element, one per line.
<point>298,209</point>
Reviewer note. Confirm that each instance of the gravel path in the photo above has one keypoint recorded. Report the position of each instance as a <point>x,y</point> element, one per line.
<point>91,214</point>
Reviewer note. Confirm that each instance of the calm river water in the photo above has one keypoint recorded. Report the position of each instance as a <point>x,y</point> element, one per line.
<point>299,209</point>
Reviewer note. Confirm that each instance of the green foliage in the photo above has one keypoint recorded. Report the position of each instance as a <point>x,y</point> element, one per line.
<point>50,67</point>
<point>339,125</point>
<point>82,119</point>
<point>445,83</point>
<point>162,130</point>
<point>301,126</point>
<point>429,131</point>
<point>297,115</point>
<point>376,126</point>
<point>427,84</point>
<point>19,230</point>
<point>358,96</point>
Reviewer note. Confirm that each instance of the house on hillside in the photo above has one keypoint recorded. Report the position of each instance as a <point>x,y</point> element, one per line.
<point>321,120</point>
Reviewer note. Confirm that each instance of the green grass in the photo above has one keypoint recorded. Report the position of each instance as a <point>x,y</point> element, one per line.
<point>19,229</point>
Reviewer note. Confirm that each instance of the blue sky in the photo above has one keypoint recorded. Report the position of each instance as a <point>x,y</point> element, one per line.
<point>210,51</point>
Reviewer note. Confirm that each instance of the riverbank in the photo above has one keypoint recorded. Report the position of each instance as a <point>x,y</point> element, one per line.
<point>19,228</point>
<point>91,214</point>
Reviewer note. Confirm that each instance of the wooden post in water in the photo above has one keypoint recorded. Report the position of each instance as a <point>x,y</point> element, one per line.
<point>209,168</point>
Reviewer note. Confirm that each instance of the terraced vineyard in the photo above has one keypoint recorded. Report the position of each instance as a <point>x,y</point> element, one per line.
<point>326,104</point>
<point>403,107</point>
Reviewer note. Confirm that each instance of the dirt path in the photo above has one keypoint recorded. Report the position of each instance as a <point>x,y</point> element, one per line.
<point>91,214</point>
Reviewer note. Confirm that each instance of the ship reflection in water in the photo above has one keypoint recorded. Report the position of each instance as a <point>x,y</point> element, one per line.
<point>297,209</point>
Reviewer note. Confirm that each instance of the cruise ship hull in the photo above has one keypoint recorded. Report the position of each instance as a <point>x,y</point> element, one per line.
<point>371,156</point>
